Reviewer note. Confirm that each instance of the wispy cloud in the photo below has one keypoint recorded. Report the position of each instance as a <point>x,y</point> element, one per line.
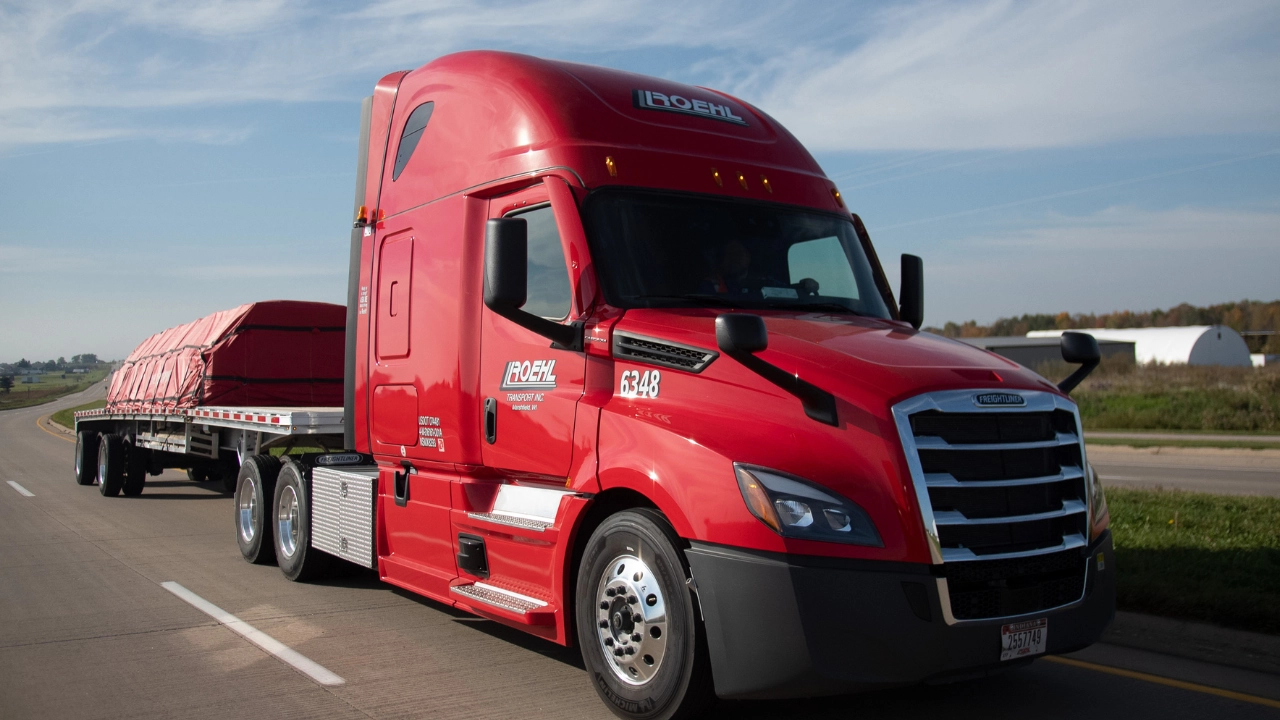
<point>984,74</point>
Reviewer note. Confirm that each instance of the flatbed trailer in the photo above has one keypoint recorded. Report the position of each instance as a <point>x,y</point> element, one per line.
<point>210,442</point>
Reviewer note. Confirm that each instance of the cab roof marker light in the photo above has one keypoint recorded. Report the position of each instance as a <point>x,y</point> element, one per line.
<point>836,194</point>
<point>715,175</point>
<point>611,166</point>
<point>742,180</point>
<point>765,182</point>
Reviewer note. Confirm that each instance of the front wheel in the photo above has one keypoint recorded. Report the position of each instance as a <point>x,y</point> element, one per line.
<point>637,627</point>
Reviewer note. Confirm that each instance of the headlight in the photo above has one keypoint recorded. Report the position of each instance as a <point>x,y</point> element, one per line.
<point>797,508</point>
<point>1097,503</point>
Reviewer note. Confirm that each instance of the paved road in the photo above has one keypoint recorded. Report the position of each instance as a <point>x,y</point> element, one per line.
<point>1214,470</point>
<point>87,631</point>
<point>1179,436</point>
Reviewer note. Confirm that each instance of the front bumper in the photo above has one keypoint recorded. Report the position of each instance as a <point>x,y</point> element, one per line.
<point>791,626</point>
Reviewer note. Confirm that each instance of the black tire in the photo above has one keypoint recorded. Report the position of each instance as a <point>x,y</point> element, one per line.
<point>135,477</point>
<point>255,491</point>
<point>198,474</point>
<point>291,510</point>
<point>664,652</point>
<point>86,457</point>
<point>111,460</point>
<point>226,470</point>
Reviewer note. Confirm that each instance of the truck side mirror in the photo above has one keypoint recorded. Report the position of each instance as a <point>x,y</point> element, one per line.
<point>741,336</point>
<point>741,333</point>
<point>506,264</point>
<point>911,292</point>
<point>506,282</point>
<point>1079,348</point>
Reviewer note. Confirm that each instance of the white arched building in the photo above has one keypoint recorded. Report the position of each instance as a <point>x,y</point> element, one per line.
<point>1192,345</point>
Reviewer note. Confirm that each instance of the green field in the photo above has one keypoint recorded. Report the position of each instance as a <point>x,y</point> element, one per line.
<point>66,418</point>
<point>1122,396</point>
<point>1212,558</point>
<point>51,387</point>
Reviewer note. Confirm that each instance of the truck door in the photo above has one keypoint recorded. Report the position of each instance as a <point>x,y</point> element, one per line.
<point>529,389</point>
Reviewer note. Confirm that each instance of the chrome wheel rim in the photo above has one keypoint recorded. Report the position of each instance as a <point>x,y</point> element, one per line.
<point>102,465</point>
<point>631,620</point>
<point>248,510</point>
<point>288,521</point>
<point>79,451</point>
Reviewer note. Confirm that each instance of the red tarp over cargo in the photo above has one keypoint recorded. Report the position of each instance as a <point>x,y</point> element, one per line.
<point>280,353</point>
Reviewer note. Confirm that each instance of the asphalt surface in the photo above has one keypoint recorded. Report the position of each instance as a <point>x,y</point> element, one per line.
<point>87,630</point>
<point>1214,470</point>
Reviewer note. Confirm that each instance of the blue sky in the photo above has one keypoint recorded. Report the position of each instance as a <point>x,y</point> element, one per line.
<point>163,160</point>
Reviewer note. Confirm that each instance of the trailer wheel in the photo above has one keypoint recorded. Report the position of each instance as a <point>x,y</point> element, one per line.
<point>111,458</point>
<point>198,474</point>
<point>255,491</point>
<point>292,512</point>
<point>135,477</point>
<point>86,457</point>
<point>637,627</point>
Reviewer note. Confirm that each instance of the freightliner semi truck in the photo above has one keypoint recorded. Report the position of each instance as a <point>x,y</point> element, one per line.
<point>623,370</point>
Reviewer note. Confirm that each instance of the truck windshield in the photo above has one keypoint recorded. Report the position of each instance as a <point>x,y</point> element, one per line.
<point>659,250</point>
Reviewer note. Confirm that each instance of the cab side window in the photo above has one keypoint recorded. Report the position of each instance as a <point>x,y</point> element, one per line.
<point>549,292</point>
<point>413,129</point>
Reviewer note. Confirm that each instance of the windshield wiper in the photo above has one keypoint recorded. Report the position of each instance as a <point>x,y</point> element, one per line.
<point>711,299</point>
<point>829,306</point>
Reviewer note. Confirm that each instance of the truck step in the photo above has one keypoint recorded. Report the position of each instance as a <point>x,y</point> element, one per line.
<point>497,597</point>
<point>516,521</point>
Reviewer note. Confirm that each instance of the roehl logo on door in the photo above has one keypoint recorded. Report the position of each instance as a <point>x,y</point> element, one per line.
<point>529,375</point>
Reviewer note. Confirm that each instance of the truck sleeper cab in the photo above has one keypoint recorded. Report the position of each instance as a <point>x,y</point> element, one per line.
<point>625,372</point>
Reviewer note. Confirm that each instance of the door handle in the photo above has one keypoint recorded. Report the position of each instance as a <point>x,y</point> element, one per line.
<point>401,488</point>
<point>491,420</point>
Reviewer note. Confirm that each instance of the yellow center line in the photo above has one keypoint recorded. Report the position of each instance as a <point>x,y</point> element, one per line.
<point>60,436</point>
<point>1193,687</point>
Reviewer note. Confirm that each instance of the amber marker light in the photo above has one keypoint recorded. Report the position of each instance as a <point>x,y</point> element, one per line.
<point>362,216</point>
<point>611,166</point>
<point>742,180</point>
<point>715,175</point>
<point>757,499</point>
<point>765,182</point>
<point>836,194</point>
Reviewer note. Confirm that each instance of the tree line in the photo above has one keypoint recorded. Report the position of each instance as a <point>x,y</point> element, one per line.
<point>1243,317</point>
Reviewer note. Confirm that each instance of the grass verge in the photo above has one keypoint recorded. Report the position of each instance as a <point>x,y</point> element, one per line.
<point>49,388</point>
<point>1212,558</point>
<point>1199,443</point>
<point>66,418</point>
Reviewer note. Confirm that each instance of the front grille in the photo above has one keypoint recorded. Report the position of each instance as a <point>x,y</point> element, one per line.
<point>627,346</point>
<point>1002,490</point>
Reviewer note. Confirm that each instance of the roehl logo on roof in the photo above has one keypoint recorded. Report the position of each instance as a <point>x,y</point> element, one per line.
<point>999,400</point>
<point>653,100</point>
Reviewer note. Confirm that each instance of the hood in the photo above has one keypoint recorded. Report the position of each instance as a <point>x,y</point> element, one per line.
<point>853,357</point>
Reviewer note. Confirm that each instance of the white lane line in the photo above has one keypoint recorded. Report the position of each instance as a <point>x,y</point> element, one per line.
<point>306,666</point>
<point>23,491</point>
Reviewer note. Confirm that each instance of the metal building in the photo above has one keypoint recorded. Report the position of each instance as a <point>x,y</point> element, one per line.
<point>1191,345</point>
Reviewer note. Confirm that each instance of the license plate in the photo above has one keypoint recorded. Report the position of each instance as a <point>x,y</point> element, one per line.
<point>1023,639</point>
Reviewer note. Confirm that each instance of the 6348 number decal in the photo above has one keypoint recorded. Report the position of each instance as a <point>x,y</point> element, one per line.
<point>634,384</point>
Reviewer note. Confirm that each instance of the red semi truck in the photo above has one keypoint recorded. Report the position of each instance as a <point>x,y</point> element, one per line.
<point>623,371</point>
